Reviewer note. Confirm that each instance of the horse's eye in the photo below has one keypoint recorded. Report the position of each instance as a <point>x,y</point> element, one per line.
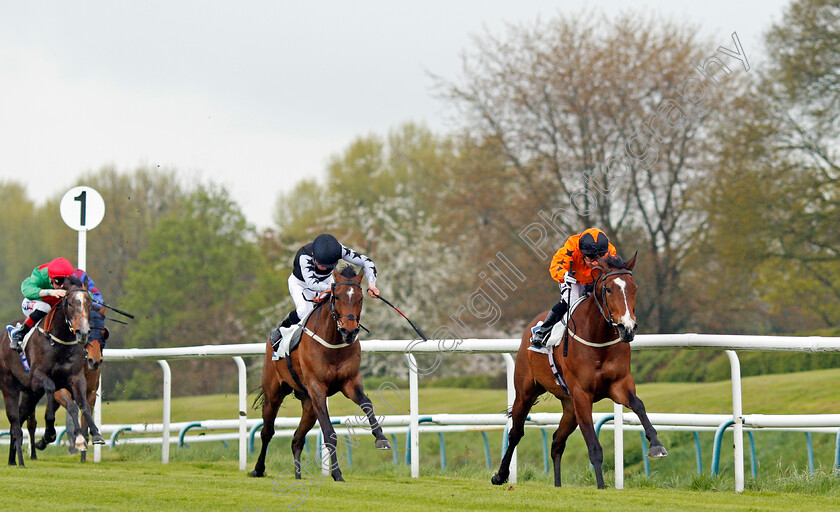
<point>608,289</point>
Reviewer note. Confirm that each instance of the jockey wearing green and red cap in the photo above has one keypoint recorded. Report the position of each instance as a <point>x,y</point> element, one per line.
<point>40,293</point>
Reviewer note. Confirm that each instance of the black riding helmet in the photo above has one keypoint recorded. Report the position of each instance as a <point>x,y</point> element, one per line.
<point>326,250</point>
<point>593,242</point>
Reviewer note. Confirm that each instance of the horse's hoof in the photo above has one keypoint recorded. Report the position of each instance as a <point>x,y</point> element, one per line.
<point>97,439</point>
<point>338,478</point>
<point>658,451</point>
<point>256,474</point>
<point>383,444</point>
<point>497,479</point>
<point>72,449</point>
<point>80,443</point>
<point>41,444</point>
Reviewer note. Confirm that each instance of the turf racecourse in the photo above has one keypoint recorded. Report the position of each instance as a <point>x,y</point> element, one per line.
<point>60,484</point>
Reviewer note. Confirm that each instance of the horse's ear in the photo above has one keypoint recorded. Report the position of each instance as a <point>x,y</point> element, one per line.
<point>336,276</point>
<point>632,262</point>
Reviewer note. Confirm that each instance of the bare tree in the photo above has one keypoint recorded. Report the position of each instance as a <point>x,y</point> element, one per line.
<point>602,123</point>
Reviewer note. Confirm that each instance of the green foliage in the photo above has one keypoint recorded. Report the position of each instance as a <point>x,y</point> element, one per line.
<point>190,283</point>
<point>772,202</point>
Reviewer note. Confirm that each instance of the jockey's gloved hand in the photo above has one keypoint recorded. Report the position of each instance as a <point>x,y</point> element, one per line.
<point>569,279</point>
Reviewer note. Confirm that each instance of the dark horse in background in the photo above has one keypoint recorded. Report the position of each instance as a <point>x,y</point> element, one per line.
<point>56,357</point>
<point>93,363</point>
<point>317,369</point>
<point>596,366</point>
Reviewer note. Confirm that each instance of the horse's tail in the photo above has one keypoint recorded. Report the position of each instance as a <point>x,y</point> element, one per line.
<point>260,400</point>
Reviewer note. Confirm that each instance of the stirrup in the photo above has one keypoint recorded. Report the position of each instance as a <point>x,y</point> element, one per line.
<point>14,343</point>
<point>537,346</point>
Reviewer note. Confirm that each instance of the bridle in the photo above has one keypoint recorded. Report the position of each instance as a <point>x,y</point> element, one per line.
<point>338,318</point>
<point>70,325</point>
<point>603,308</point>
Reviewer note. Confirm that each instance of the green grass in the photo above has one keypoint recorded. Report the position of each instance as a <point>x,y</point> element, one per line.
<point>205,476</point>
<point>62,484</point>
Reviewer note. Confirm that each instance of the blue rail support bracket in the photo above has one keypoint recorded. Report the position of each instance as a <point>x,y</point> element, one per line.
<point>59,434</point>
<point>424,419</point>
<point>183,433</point>
<point>251,434</point>
<point>486,451</point>
<point>113,441</point>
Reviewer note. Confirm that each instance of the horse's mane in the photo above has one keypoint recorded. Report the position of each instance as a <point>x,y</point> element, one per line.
<point>348,271</point>
<point>616,262</point>
<point>73,280</point>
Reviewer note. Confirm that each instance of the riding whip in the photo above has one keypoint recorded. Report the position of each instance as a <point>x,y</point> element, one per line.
<point>417,329</point>
<point>115,310</point>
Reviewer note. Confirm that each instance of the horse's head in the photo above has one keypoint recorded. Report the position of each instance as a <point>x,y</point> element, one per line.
<point>93,355</point>
<point>346,302</point>
<point>615,294</point>
<point>76,304</point>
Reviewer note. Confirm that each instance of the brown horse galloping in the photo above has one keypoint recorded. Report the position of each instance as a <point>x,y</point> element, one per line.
<point>56,357</point>
<point>597,366</point>
<point>326,362</point>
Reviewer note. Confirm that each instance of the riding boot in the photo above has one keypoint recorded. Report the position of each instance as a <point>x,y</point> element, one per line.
<point>291,319</point>
<point>16,335</point>
<point>556,313</point>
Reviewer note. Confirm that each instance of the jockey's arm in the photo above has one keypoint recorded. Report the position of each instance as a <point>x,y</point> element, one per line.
<point>360,260</point>
<point>561,263</point>
<point>311,280</point>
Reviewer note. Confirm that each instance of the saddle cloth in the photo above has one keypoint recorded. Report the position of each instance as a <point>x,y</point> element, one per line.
<point>560,327</point>
<point>556,335</point>
<point>290,338</point>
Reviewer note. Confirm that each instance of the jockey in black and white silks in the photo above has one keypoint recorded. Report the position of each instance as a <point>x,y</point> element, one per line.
<point>312,275</point>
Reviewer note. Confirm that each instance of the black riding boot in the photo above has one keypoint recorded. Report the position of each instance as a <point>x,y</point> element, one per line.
<point>556,313</point>
<point>291,319</point>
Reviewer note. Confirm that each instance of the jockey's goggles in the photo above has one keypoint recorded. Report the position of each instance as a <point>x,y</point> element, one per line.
<point>594,256</point>
<point>57,281</point>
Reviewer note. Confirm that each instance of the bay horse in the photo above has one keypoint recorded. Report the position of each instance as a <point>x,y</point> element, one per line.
<point>593,360</point>
<point>93,362</point>
<point>325,362</point>
<point>56,359</point>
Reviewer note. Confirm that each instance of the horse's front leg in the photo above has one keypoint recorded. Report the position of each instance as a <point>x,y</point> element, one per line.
<point>568,424</point>
<point>78,385</point>
<point>307,421</point>
<point>318,395</point>
<point>583,411</point>
<point>31,426</point>
<point>522,404</point>
<point>354,391</point>
<point>625,394</point>
<point>42,383</point>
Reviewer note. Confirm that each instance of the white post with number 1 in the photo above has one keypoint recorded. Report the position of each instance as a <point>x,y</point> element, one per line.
<point>82,208</point>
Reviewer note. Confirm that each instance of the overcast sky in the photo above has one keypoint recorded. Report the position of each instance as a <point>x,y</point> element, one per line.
<point>254,95</point>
